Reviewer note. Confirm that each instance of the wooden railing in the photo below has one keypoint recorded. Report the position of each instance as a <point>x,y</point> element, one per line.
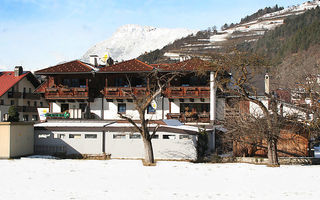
<point>66,93</point>
<point>188,92</point>
<point>31,96</point>
<point>14,94</point>
<point>124,92</point>
<point>191,117</point>
<point>26,109</point>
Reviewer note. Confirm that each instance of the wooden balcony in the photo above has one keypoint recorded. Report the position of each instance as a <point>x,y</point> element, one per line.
<point>26,109</point>
<point>124,92</point>
<point>188,92</point>
<point>14,94</point>
<point>190,117</point>
<point>66,93</point>
<point>31,96</point>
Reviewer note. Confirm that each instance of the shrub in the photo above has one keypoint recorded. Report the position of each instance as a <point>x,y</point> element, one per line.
<point>13,114</point>
<point>202,144</point>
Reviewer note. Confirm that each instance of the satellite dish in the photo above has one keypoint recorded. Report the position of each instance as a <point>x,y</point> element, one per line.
<point>154,104</point>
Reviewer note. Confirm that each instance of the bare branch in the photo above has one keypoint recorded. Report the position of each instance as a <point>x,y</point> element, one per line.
<point>131,121</point>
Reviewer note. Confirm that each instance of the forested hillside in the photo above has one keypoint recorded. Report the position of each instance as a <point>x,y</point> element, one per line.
<point>274,32</point>
<point>296,34</point>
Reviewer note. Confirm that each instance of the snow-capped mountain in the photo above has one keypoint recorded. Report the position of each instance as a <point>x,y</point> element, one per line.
<point>130,41</point>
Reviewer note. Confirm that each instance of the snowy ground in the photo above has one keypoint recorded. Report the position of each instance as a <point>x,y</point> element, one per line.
<point>126,179</point>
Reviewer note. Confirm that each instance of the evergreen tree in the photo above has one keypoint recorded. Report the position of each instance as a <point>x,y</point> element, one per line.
<point>13,114</point>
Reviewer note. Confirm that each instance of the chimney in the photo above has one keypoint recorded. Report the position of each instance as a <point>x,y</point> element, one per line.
<point>266,83</point>
<point>109,62</point>
<point>18,70</point>
<point>94,60</point>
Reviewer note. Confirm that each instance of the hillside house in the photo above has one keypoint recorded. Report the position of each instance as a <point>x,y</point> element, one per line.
<point>94,95</point>
<point>17,89</point>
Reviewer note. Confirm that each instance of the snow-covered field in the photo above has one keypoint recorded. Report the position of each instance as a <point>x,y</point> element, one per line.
<point>128,179</point>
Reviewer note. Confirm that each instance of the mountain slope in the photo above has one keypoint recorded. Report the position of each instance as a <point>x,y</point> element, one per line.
<point>296,34</point>
<point>130,41</point>
<point>241,35</point>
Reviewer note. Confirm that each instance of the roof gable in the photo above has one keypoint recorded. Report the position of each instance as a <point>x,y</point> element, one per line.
<point>41,88</point>
<point>8,80</point>
<point>75,66</point>
<point>133,65</point>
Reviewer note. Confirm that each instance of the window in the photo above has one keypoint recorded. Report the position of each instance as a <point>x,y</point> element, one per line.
<point>155,137</point>
<point>35,104</point>
<point>119,136</point>
<point>185,137</point>
<point>83,83</point>
<point>60,136</point>
<point>44,135</point>
<point>12,102</point>
<point>170,137</point>
<point>5,117</point>
<point>122,108</point>
<point>29,90</point>
<point>90,136</point>
<point>28,102</point>
<point>25,118</point>
<point>75,136</point>
<point>83,107</point>
<point>24,90</point>
<point>75,83</point>
<point>34,117</point>
<point>64,107</point>
<point>41,104</point>
<point>1,102</point>
<point>135,136</point>
<point>151,110</point>
<point>66,82</point>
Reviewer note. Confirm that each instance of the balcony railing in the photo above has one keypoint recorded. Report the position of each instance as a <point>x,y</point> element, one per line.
<point>31,96</point>
<point>66,93</point>
<point>124,92</point>
<point>26,109</point>
<point>188,92</point>
<point>190,117</point>
<point>14,94</point>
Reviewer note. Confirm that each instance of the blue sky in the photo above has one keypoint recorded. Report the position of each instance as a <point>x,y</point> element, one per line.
<point>41,33</point>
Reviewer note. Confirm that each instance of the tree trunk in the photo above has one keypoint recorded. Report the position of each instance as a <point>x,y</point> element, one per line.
<point>148,152</point>
<point>272,152</point>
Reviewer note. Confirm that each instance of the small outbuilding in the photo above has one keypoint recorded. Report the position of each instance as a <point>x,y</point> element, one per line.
<point>16,139</point>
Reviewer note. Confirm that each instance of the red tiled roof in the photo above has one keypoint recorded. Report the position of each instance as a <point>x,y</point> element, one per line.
<point>133,65</point>
<point>188,65</point>
<point>41,88</point>
<point>68,67</point>
<point>8,80</point>
<point>161,65</point>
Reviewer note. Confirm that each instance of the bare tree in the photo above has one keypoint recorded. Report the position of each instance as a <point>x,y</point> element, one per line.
<point>156,83</point>
<point>234,74</point>
<point>300,74</point>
